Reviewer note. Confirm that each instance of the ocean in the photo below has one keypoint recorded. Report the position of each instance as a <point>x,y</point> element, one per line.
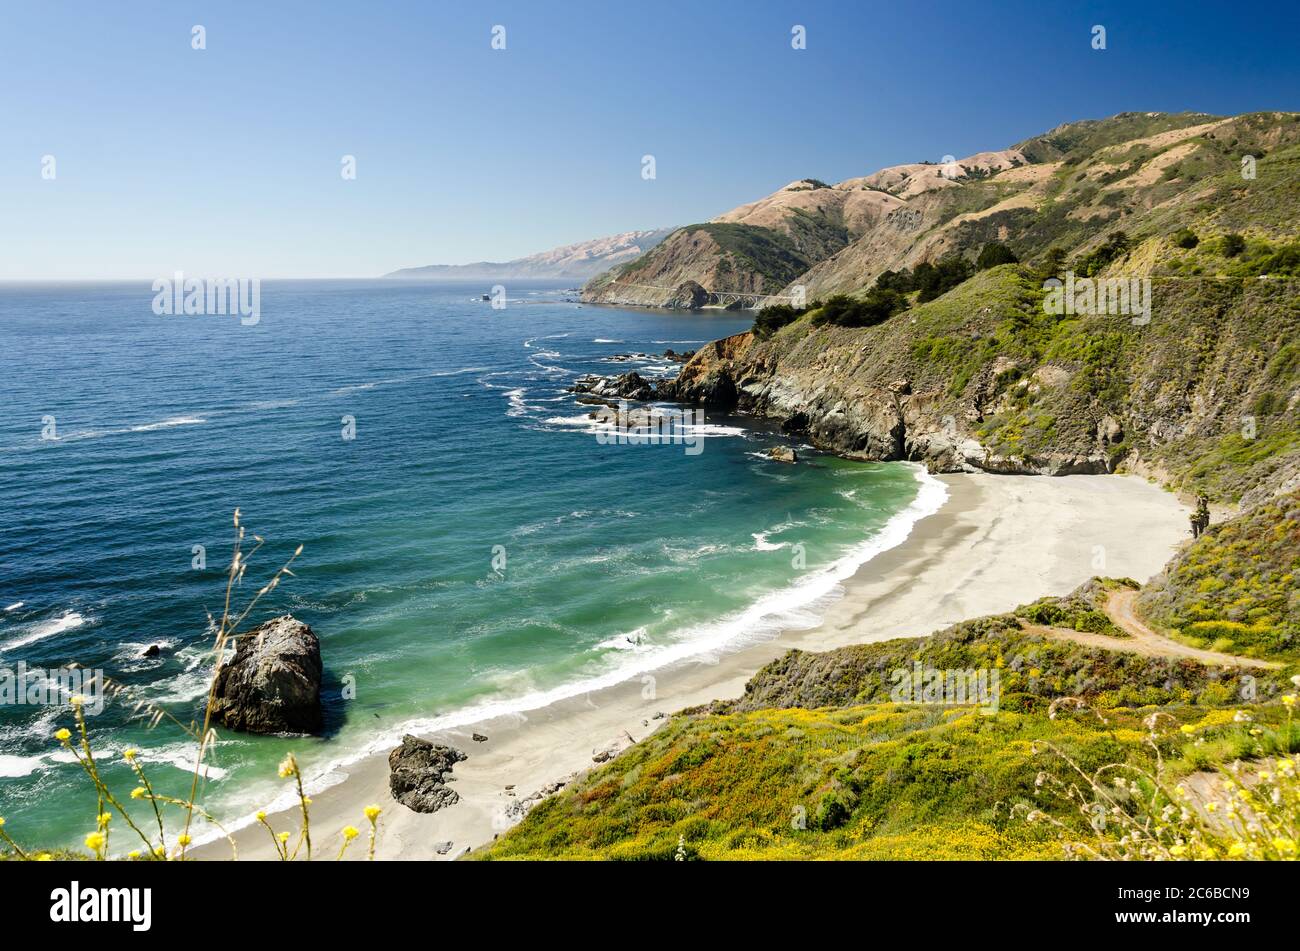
<point>470,546</point>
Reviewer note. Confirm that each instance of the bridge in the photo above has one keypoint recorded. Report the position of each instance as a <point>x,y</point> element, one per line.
<point>744,300</point>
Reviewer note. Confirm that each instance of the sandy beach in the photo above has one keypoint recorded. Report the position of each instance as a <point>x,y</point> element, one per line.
<point>997,542</point>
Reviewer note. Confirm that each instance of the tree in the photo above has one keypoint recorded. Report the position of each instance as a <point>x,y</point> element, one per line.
<point>993,254</point>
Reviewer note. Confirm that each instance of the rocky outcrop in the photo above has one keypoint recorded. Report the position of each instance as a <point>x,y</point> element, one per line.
<point>272,682</point>
<point>690,295</point>
<point>627,386</point>
<point>418,777</point>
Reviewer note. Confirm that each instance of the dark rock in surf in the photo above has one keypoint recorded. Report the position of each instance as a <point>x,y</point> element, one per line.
<point>272,683</point>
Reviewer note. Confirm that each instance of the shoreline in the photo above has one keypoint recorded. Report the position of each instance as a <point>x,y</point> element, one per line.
<point>996,541</point>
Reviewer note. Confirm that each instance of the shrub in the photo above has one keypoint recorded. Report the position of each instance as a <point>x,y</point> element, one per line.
<point>771,319</point>
<point>1186,238</point>
<point>1232,244</point>
<point>844,311</point>
<point>993,254</point>
<point>935,280</point>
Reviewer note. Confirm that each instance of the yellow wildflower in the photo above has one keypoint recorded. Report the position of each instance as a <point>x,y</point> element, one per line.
<point>261,815</point>
<point>95,841</point>
<point>372,812</point>
<point>1285,846</point>
<point>1236,850</point>
<point>130,755</point>
<point>133,854</point>
<point>138,792</point>
<point>350,832</point>
<point>184,839</point>
<point>63,735</point>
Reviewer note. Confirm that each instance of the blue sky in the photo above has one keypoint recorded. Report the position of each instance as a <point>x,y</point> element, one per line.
<point>226,161</point>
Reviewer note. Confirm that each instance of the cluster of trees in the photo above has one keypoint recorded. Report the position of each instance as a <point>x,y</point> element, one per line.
<point>933,280</point>
<point>889,294</point>
<point>876,307</point>
<point>771,319</point>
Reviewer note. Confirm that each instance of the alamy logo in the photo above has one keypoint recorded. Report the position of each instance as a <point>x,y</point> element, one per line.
<point>36,686</point>
<point>919,684</point>
<point>621,426</point>
<point>1111,296</point>
<point>212,296</point>
<point>73,904</point>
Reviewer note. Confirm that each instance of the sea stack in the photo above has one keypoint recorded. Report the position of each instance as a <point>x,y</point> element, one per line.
<point>272,683</point>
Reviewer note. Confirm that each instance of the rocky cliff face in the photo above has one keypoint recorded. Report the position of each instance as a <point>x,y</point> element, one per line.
<point>983,378</point>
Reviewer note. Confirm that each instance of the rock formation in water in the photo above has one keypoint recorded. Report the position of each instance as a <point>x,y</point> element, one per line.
<point>272,682</point>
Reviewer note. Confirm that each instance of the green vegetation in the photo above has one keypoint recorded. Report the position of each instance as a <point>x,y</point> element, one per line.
<point>819,761</point>
<point>770,253</point>
<point>1112,248</point>
<point>993,254</point>
<point>1237,588</point>
<point>844,311</point>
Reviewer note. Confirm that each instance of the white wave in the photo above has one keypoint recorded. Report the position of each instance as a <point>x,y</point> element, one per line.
<point>357,387</point>
<point>576,421</point>
<point>605,340</point>
<point>15,606</point>
<point>631,641</point>
<point>182,688</point>
<point>181,755</point>
<point>139,428</point>
<point>762,544</point>
<point>168,423</point>
<point>39,632</point>
<point>12,767</point>
<point>711,430</point>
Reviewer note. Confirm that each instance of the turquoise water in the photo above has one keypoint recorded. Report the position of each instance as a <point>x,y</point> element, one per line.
<point>617,558</point>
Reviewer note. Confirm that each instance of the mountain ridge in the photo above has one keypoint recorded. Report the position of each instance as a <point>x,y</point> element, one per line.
<point>578,261</point>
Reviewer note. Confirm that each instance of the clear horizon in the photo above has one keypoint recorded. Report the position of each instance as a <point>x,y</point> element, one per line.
<point>227,160</point>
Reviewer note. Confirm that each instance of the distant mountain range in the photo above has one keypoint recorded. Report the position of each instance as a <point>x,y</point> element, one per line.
<point>579,262</point>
